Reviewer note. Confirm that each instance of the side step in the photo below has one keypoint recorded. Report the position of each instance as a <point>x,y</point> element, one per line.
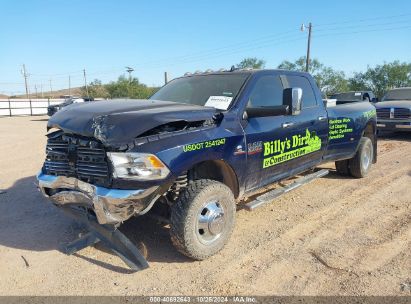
<point>111,237</point>
<point>269,196</point>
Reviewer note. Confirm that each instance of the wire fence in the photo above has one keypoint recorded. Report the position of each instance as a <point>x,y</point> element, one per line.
<point>27,107</point>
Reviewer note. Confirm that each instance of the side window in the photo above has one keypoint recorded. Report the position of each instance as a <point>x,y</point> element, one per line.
<point>267,92</point>
<point>308,92</point>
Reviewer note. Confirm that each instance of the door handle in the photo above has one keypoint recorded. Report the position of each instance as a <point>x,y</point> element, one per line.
<point>322,118</point>
<point>287,124</point>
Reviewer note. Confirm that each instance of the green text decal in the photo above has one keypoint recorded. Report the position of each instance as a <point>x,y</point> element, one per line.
<point>339,128</point>
<point>204,145</point>
<point>280,151</point>
<point>370,113</point>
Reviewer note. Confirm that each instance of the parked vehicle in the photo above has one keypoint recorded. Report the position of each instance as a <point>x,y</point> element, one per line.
<point>354,96</point>
<point>52,109</point>
<point>199,145</point>
<point>394,111</point>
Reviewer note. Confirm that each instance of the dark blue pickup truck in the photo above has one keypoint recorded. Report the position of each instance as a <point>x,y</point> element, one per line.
<point>200,144</point>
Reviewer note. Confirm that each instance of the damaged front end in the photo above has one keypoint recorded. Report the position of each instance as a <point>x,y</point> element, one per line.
<point>101,165</point>
<point>77,171</point>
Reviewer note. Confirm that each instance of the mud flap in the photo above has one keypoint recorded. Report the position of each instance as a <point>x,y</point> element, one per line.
<point>111,237</point>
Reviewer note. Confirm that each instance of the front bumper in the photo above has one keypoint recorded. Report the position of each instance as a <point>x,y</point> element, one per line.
<point>111,206</point>
<point>394,125</point>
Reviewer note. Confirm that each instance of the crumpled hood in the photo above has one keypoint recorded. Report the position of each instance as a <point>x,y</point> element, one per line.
<point>117,122</point>
<point>393,104</point>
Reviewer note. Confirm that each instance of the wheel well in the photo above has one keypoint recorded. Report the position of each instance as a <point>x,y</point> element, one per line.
<point>217,170</point>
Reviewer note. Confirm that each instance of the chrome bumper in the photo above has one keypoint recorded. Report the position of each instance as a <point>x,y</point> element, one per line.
<point>111,206</point>
<point>394,124</point>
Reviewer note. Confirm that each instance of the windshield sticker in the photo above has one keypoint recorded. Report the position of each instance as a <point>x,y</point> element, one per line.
<point>219,102</point>
<point>279,151</point>
<point>204,145</point>
<point>339,128</point>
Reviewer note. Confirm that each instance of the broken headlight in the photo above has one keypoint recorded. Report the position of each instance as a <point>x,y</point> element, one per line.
<point>140,166</point>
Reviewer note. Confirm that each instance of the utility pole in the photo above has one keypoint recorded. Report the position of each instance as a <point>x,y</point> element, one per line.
<point>69,85</point>
<point>85,82</point>
<point>51,89</point>
<point>35,88</point>
<point>165,78</point>
<point>25,80</point>
<point>309,27</point>
<point>129,70</point>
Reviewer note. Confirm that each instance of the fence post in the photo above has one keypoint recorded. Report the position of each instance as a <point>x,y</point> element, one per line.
<point>31,109</point>
<point>9,107</point>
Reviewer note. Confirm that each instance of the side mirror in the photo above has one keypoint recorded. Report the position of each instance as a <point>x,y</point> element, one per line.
<point>374,99</point>
<point>292,97</point>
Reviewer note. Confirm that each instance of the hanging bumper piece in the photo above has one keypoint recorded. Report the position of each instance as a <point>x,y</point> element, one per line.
<point>108,235</point>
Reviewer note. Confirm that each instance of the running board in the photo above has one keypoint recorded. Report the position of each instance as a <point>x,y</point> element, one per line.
<point>111,237</point>
<point>269,196</point>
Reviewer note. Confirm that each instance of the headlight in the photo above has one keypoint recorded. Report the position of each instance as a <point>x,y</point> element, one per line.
<point>139,166</point>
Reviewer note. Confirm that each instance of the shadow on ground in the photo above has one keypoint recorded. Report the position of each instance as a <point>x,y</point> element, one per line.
<point>31,222</point>
<point>387,136</point>
<point>40,119</point>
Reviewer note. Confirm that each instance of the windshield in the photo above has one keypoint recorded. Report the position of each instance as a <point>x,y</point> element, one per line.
<point>402,94</point>
<point>204,90</point>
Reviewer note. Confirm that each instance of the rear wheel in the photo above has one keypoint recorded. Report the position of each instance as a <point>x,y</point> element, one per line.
<point>360,164</point>
<point>203,219</point>
<point>342,167</point>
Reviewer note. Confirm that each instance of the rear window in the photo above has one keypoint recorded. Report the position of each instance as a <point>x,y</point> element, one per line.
<point>357,96</point>
<point>302,82</point>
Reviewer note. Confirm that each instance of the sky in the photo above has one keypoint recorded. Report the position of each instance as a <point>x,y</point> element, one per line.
<point>55,39</point>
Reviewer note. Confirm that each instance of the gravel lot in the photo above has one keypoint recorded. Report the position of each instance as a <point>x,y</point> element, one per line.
<point>335,236</point>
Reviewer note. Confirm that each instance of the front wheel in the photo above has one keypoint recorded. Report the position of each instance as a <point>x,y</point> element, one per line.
<point>203,219</point>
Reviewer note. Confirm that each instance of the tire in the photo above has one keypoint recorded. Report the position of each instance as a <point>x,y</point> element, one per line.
<point>342,167</point>
<point>361,163</point>
<point>203,219</point>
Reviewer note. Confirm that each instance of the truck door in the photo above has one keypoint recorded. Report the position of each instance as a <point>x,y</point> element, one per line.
<point>313,117</point>
<point>282,145</point>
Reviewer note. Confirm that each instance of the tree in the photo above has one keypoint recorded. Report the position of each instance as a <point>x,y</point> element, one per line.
<point>95,89</point>
<point>328,80</point>
<point>382,78</point>
<point>131,88</point>
<point>251,63</point>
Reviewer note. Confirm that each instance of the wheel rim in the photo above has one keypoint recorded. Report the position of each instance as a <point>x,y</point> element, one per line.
<point>366,157</point>
<point>210,222</point>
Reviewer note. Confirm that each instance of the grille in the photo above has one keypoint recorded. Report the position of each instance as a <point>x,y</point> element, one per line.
<point>77,157</point>
<point>399,113</point>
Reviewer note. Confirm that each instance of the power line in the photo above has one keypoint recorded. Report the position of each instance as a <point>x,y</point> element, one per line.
<point>367,25</point>
<point>363,20</point>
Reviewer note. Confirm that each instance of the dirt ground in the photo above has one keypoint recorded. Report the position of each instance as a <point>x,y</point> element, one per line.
<point>335,236</point>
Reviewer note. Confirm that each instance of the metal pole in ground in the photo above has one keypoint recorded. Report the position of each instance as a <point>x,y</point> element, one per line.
<point>9,107</point>
<point>307,59</point>
<point>25,80</point>
<point>85,82</point>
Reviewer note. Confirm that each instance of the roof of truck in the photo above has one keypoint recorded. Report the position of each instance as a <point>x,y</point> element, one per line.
<point>239,71</point>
